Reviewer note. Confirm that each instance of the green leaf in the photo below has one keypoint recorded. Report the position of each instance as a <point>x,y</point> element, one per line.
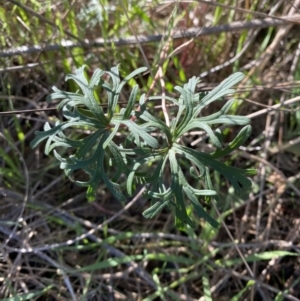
<point>131,102</point>
<point>195,124</point>
<point>223,111</point>
<point>135,73</point>
<point>155,122</point>
<point>188,101</point>
<point>89,99</point>
<point>154,209</point>
<point>234,175</point>
<point>239,140</point>
<point>220,91</point>
<point>176,188</point>
<point>111,136</point>
<point>239,295</point>
<point>268,255</point>
<point>141,132</point>
<point>230,119</point>
<point>199,209</point>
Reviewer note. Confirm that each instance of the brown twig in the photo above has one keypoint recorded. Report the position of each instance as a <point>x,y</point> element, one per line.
<point>179,34</point>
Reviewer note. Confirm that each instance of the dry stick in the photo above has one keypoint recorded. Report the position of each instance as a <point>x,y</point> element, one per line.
<point>261,63</point>
<point>267,286</point>
<point>73,219</point>
<point>280,130</point>
<point>25,66</point>
<point>251,36</point>
<point>270,106</point>
<point>252,115</point>
<point>295,62</point>
<point>276,260</point>
<point>232,60</point>
<point>292,146</point>
<point>269,134</point>
<point>69,242</point>
<point>90,234</point>
<point>278,38</point>
<point>38,110</point>
<point>247,4</point>
<point>297,191</point>
<point>26,111</point>
<point>162,58</point>
<point>273,108</point>
<point>272,262</point>
<point>61,269</point>
<point>234,243</point>
<point>142,39</point>
<point>259,159</point>
<point>163,102</point>
<point>237,9</point>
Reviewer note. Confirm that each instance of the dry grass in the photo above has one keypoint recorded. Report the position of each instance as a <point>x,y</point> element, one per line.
<point>56,246</point>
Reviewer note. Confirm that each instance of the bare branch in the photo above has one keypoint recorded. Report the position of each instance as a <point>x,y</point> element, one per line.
<point>178,34</point>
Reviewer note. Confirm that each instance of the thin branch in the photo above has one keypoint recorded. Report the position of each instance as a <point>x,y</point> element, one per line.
<point>178,34</point>
<point>274,107</point>
<point>252,115</point>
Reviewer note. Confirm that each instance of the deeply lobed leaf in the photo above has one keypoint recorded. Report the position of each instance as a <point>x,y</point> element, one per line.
<point>132,157</point>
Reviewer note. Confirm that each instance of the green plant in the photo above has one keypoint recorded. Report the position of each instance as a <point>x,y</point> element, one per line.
<point>130,156</point>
